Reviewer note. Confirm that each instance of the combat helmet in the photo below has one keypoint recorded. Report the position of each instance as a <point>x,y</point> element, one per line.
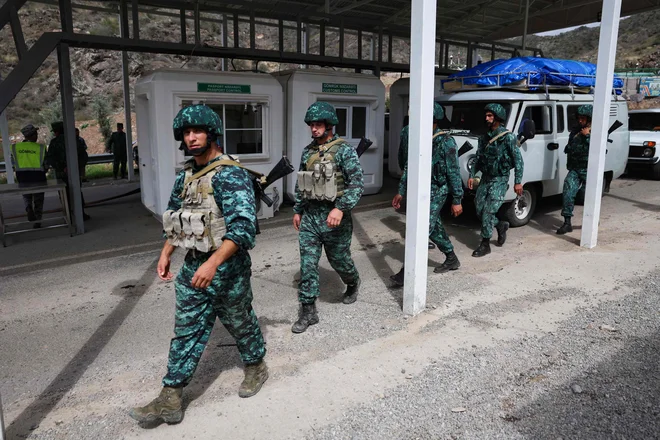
<point>321,111</point>
<point>200,116</point>
<point>438,112</point>
<point>497,110</point>
<point>585,110</point>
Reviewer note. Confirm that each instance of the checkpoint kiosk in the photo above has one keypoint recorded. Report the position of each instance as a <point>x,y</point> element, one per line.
<point>360,103</point>
<point>249,104</point>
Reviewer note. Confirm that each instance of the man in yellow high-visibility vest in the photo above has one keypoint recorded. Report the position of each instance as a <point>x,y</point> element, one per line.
<point>29,165</point>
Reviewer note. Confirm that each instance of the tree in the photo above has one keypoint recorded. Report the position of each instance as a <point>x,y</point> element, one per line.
<point>102,112</point>
<point>52,112</point>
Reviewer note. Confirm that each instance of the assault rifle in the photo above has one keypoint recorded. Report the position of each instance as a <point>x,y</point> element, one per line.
<point>282,169</point>
<point>363,146</point>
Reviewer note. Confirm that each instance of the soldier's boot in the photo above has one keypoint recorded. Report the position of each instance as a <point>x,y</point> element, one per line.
<point>166,407</point>
<point>255,376</point>
<point>306,316</point>
<point>451,263</point>
<point>431,245</point>
<point>351,294</point>
<point>398,278</point>
<point>566,227</point>
<point>483,249</point>
<point>501,227</point>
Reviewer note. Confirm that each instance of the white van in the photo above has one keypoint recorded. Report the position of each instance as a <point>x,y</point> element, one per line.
<point>554,115</point>
<point>644,151</point>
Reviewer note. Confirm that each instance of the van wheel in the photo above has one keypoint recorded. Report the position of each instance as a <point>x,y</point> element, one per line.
<point>656,171</point>
<point>519,214</point>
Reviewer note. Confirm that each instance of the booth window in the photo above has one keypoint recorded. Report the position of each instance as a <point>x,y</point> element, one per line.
<point>243,126</point>
<point>352,121</point>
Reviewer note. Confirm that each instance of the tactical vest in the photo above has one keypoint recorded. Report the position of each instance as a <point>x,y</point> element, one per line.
<point>322,178</point>
<point>199,224</point>
<point>28,156</point>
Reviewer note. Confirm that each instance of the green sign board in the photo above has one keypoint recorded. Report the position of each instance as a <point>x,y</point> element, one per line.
<point>224,88</point>
<point>339,88</point>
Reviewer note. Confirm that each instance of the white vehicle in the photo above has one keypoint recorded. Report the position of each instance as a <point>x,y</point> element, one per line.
<point>645,141</point>
<point>553,115</point>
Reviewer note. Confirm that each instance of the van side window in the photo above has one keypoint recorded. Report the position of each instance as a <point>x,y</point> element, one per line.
<point>542,117</point>
<point>560,119</point>
<point>571,117</point>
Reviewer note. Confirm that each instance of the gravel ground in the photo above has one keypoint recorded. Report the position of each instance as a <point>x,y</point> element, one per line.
<point>596,377</point>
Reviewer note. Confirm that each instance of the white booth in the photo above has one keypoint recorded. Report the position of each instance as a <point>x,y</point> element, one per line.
<point>399,99</point>
<point>360,103</point>
<point>251,108</point>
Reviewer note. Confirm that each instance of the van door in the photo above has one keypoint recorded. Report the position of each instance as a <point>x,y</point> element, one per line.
<point>540,154</point>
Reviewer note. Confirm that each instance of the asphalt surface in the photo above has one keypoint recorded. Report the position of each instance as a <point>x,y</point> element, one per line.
<point>540,339</point>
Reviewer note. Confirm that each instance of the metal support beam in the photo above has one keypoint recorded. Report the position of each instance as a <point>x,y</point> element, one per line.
<point>359,44</point>
<point>609,31</point>
<point>128,126</point>
<point>17,33</point>
<point>524,37</point>
<point>322,39</point>
<point>123,19</point>
<point>6,149</point>
<point>198,38</point>
<point>66,91</point>
<point>224,29</point>
<point>66,15</point>
<point>182,16</point>
<point>25,68</point>
<point>253,37</point>
<point>380,45</point>
<point>236,33</point>
<point>136,19</point>
<point>342,36</point>
<point>422,69</point>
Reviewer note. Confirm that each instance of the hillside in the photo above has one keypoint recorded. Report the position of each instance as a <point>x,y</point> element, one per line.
<point>97,74</point>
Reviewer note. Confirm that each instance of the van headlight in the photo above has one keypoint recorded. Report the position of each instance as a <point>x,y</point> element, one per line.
<point>470,163</point>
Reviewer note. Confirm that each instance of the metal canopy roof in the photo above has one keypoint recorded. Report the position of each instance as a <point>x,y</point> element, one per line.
<point>477,20</point>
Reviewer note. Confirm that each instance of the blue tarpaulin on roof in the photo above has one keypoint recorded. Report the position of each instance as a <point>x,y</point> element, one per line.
<point>534,71</point>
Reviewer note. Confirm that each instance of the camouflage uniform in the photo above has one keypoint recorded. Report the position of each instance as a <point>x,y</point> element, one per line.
<point>229,297</point>
<point>314,231</point>
<point>577,152</point>
<point>445,176</point>
<point>402,155</point>
<point>229,294</point>
<point>495,161</point>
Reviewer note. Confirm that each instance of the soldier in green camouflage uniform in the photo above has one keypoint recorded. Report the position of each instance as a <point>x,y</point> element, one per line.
<point>577,152</point>
<point>325,223</point>
<point>402,154</point>
<point>498,153</point>
<point>445,177</point>
<point>213,284</point>
<point>56,158</point>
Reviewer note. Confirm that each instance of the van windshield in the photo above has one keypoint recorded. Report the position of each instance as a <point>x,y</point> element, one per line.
<point>644,121</point>
<point>469,115</point>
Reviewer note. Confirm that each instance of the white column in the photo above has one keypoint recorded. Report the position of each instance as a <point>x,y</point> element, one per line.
<point>6,146</point>
<point>422,70</point>
<point>609,30</point>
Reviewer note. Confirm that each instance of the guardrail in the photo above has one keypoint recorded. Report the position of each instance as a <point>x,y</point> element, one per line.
<point>93,160</point>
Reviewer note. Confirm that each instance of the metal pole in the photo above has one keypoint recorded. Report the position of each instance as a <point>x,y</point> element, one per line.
<point>524,38</point>
<point>2,422</point>
<point>127,116</point>
<point>609,31</point>
<point>6,148</point>
<point>422,69</point>
<point>66,91</point>
<point>223,61</point>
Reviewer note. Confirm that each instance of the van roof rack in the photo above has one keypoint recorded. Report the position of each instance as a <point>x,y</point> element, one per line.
<point>547,83</point>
